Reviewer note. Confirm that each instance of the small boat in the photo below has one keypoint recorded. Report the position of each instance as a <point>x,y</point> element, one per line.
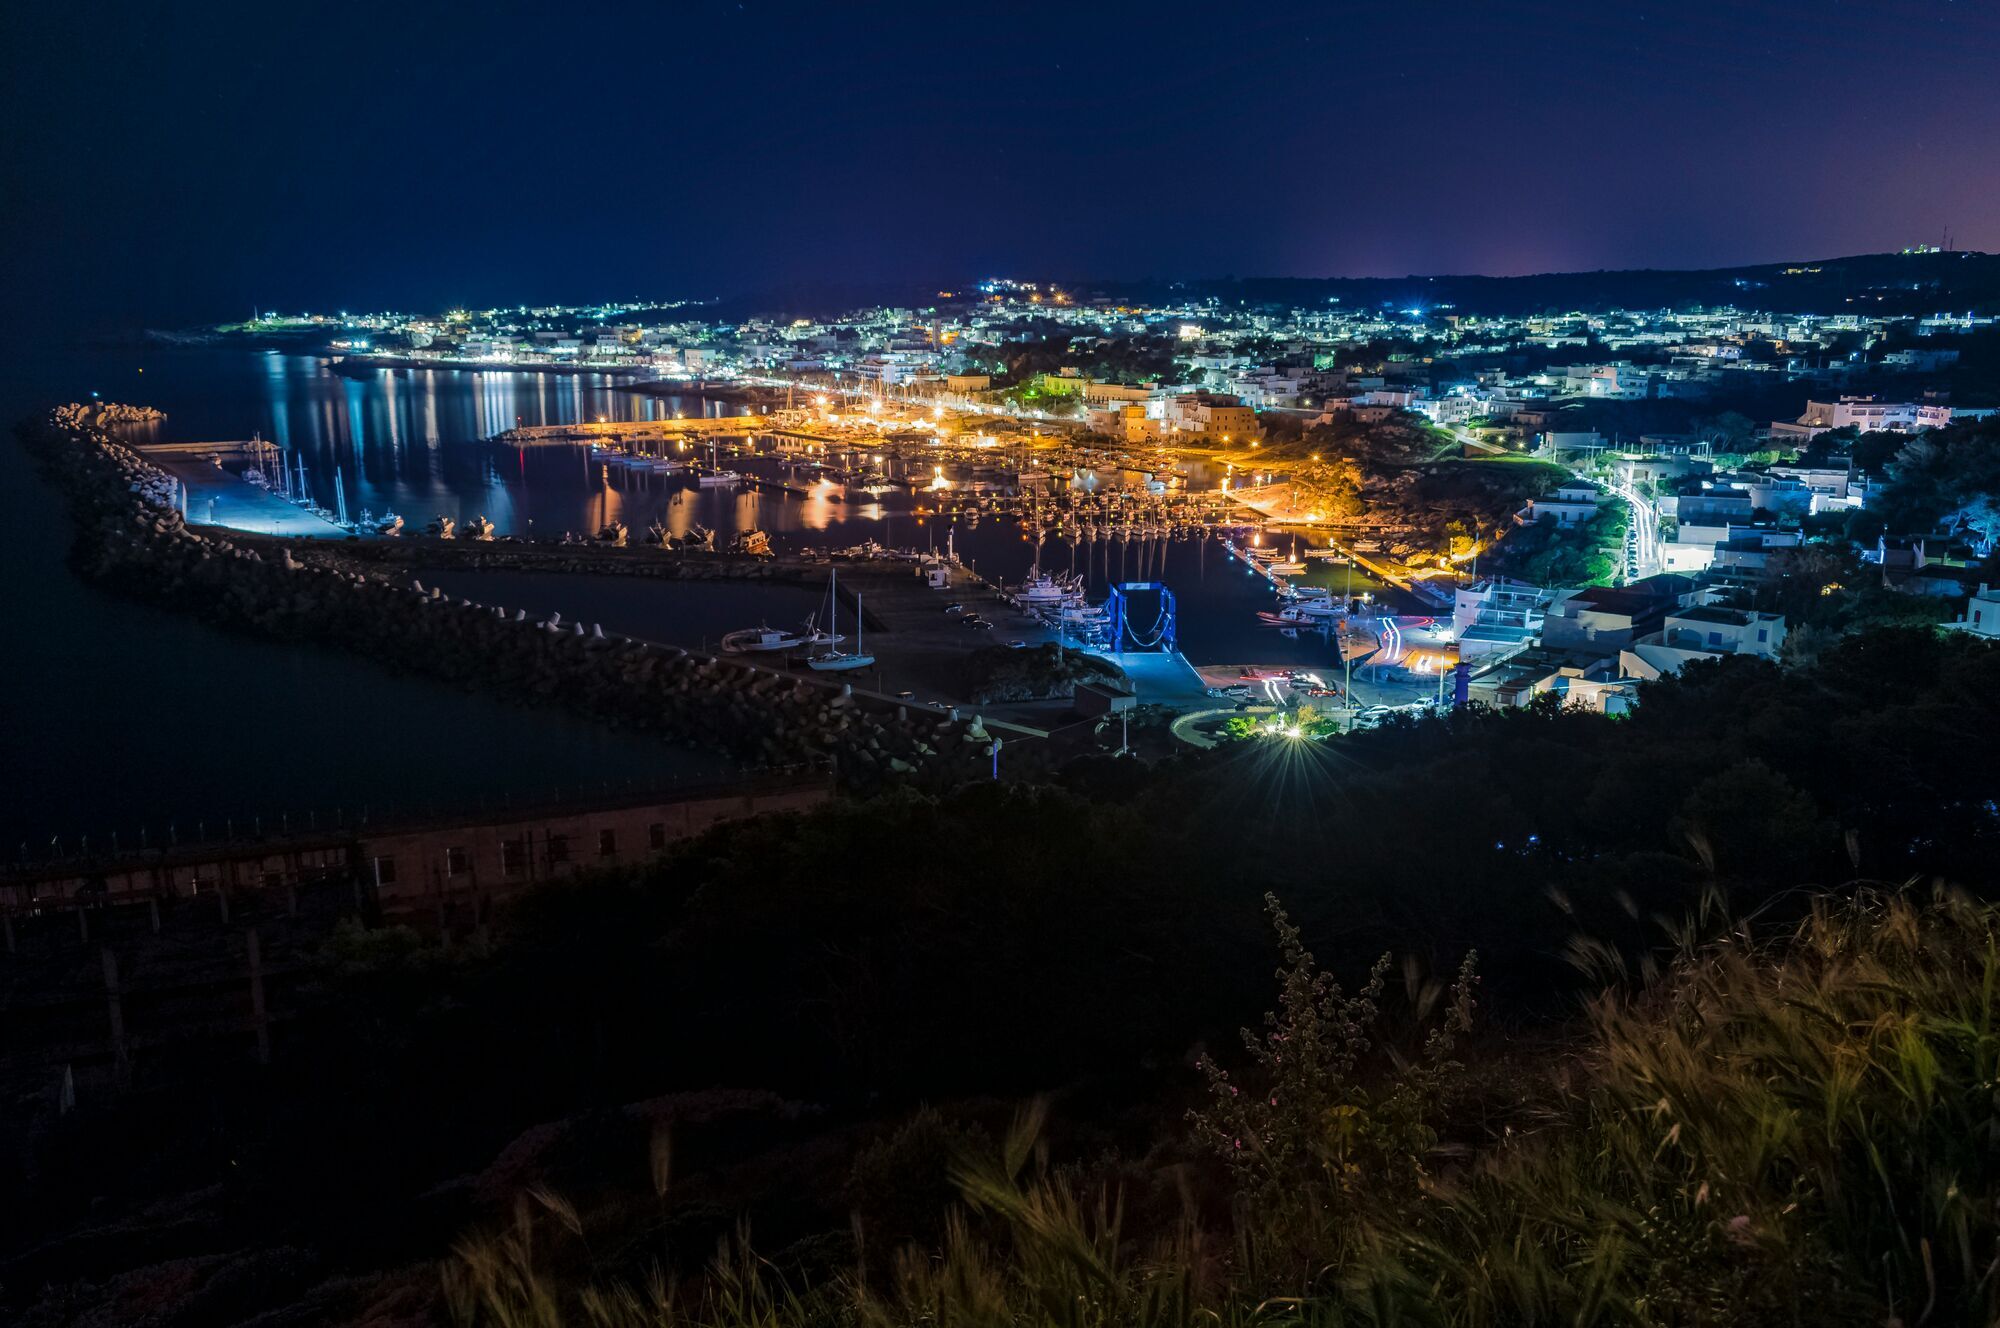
<point>760,639</point>
<point>443,527</point>
<point>479,528</point>
<point>832,659</point>
<point>1040,588</point>
<point>391,524</point>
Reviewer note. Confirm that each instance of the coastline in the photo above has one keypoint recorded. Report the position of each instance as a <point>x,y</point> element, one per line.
<point>130,539</point>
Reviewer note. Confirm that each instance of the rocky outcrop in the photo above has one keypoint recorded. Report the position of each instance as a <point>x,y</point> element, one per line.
<point>104,414</point>
<point>130,540</point>
<point>1000,674</point>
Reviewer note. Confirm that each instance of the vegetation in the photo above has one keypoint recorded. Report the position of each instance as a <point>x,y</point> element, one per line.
<point>1385,471</point>
<point>1704,1077</point>
<point>1591,553</point>
<point>1945,474</point>
<point>1787,1130</point>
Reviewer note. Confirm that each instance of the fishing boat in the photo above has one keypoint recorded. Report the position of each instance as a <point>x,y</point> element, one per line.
<point>1040,588</point>
<point>1308,613</point>
<point>761,639</point>
<point>833,659</point>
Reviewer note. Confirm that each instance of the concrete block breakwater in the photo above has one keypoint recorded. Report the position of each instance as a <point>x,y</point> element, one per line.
<point>130,540</point>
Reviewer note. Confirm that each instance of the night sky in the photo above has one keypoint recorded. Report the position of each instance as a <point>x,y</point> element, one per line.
<point>174,162</point>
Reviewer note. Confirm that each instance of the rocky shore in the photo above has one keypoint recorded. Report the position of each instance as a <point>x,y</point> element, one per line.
<point>130,539</point>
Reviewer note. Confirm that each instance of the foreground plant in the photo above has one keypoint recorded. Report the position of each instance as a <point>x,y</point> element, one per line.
<point>1776,1131</point>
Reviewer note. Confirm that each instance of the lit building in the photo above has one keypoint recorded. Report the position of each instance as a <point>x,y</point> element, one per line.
<point>1707,632</point>
<point>1865,414</point>
<point>1125,421</point>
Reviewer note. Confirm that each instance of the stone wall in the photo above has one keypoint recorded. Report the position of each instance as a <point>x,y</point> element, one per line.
<point>130,539</point>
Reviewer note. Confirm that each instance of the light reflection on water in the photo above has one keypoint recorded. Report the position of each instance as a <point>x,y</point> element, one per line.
<point>413,442</point>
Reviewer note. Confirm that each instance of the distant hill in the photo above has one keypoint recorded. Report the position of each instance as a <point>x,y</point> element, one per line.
<point>1917,283</point>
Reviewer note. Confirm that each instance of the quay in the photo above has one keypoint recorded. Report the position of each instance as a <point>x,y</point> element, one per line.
<point>235,447</point>
<point>214,497</point>
<point>630,430</point>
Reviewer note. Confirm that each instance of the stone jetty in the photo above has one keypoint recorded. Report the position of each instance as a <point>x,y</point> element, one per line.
<point>130,539</point>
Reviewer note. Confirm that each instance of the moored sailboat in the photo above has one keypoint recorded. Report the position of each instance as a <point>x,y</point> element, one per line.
<point>833,659</point>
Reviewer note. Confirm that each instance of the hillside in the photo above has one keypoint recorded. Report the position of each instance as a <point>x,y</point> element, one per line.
<point>1880,283</point>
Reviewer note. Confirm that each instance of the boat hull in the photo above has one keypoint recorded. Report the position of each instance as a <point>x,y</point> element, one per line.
<point>841,664</point>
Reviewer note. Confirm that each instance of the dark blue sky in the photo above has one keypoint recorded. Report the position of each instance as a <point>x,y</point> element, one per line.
<point>173,162</point>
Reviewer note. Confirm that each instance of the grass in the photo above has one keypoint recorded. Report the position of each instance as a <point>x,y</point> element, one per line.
<point>1800,1130</point>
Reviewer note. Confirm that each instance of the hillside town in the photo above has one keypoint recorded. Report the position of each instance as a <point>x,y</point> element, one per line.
<point>1575,503</point>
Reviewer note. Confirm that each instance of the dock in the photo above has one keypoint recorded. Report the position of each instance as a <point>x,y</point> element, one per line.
<point>217,498</point>
<point>627,430</point>
<point>234,447</point>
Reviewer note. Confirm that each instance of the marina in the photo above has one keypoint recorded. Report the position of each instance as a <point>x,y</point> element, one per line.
<point>1047,542</point>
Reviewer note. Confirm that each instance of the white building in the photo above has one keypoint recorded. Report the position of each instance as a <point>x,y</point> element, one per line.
<point>1982,613</point>
<point>1574,503</point>
<point>1497,614</point>
<point>1865,414</point>
<point>1704,632</point>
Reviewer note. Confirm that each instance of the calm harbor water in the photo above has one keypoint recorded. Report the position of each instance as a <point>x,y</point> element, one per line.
<point>414,441</point>
<point>117,716</point>
<point>118,712</point>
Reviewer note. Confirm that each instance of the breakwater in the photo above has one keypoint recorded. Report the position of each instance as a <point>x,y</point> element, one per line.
<point>130,539</point>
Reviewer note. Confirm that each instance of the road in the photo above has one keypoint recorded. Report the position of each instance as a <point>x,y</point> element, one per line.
<point>1642,537</point>
<point>1461,434</point>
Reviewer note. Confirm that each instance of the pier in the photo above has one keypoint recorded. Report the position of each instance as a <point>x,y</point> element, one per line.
<point>235,447</point>
<point>215,497</point>
<point>530,435</point>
